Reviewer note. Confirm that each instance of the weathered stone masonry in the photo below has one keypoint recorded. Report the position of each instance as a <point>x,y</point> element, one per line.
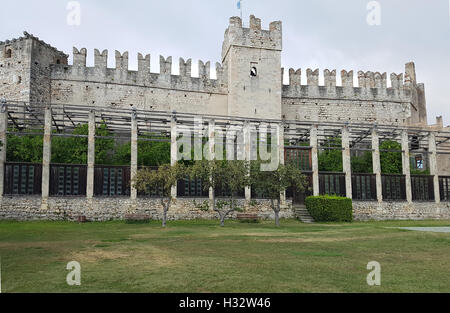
<point>46,77</point>
<point>248,84</point>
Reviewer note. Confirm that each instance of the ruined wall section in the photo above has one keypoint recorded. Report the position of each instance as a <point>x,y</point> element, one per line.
<point>120,87</point>
<point>369,102</point>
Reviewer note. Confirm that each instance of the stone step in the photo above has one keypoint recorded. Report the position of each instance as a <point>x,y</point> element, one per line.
<point>302,214</point>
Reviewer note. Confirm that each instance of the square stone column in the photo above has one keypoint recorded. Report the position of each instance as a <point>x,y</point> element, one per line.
<point>433,165</point>
<point>346,161</point>
<point>280,147</point>
<point>406,165</point>
<point>46,157</point>
<point>91,156</point>
<point>247,154</point>
<point>134,153</point>
<point>314,159</point>
<point>173,150</point>
<point>211,149</point>
<point>376,162</point>
<point>3,141</point>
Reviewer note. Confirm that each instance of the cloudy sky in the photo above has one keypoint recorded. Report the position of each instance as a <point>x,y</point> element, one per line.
<point>317,34</point>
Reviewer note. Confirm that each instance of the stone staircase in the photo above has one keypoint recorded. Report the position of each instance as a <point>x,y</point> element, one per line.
<point>302,214</point>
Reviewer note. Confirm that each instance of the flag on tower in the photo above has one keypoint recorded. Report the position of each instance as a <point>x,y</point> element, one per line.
<point>239,4</point>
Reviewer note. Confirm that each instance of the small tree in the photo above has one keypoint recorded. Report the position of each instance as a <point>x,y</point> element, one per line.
<point>227,176</point>
<point>273,183</point>
<point>161,181</point>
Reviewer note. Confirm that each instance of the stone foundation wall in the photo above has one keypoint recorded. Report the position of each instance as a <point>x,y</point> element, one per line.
<point>115,208</point>
<point>364,211</point>
<point>104,209</point>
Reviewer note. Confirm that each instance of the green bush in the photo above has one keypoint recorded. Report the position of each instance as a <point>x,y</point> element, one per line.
<point>329,208</point>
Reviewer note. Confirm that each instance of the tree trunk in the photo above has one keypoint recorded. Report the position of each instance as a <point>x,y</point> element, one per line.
<point>164,218</point>
<point>213,200</point>
<point>224,214</point>
<point>166,207</point>
<point>277,218</point>
<point>276,210</point>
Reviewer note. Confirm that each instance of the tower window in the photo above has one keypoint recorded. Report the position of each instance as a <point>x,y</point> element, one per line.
<point>253,71</point>
<point>419,163</point>
<point>58,61</point>
<point>8,53</point>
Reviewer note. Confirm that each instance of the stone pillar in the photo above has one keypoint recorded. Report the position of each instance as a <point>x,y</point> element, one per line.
<point>377,164</point>
<point>346,161</point>
<point>406,165</point>
<point>91,156</point>
<point>314,159</point>
<point>173,150</point>
<point>46,157</point>
<point>3,129</point>
<point>211,151</point>
<point>134,153</point>
<point>247,151</point>
<point>280,147</point>
<point>433,165</point>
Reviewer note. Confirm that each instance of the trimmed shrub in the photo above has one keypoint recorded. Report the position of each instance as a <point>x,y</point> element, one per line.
<point>330,208</point>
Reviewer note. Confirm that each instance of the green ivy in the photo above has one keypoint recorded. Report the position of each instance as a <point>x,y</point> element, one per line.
<point>391,162</point>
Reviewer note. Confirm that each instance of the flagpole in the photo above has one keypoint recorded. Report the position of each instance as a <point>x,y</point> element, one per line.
<point>241,10</point>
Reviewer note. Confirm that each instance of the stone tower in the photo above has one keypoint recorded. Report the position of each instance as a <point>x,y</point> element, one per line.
<point>25,69</point>
<point>252,65</point>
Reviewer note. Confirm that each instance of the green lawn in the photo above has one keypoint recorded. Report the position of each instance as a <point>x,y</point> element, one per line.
<point>200,256</point>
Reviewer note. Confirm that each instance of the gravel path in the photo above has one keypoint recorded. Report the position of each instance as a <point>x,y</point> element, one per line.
<point>432,229</point>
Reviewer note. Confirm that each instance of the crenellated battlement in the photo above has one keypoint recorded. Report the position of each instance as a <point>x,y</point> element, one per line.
<point>371,85</point>
<point>121,61</point>
<point>26,36</point>
<point>121,74</point>
<point>330,78</point>
<point>248,82</point>
<point>253,36</point>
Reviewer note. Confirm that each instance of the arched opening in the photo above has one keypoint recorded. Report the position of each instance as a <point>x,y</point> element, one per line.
<point>8,53</point>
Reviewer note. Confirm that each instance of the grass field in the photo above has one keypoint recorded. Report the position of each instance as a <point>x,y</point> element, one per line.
<point>200,256</point>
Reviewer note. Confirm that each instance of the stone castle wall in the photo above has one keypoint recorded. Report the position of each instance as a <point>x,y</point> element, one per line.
<point>120,87</point>
<point>365,211</point>
<point>25,68</point>
<point>114,208</point>
<point>39,73</point>
<point>371,102</point>
<point>14,70</point>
